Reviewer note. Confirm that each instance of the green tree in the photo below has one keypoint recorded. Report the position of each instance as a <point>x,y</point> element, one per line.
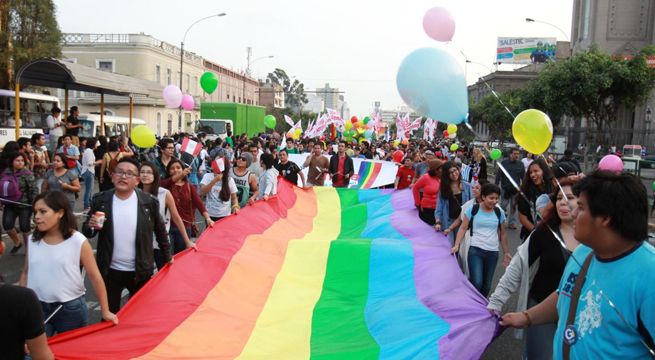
<point>493,114</point>
<point>28,31</point>
<point>592,85</point>
<point>294,92</point>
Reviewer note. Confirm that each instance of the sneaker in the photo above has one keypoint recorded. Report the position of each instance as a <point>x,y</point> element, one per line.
<point>15,249</point>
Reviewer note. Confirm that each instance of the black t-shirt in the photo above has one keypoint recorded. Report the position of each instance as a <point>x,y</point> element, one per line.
<point>21,319</point>
<point>73,120</point>
<point>289,170</point>
<point>545,247</point>
<point>526,208</point>
<point>455,206</point>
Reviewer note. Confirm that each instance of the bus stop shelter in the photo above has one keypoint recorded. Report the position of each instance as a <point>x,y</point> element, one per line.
<point>55,73</point>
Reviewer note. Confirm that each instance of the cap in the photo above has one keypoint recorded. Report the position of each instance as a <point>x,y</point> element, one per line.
<point>248,157</point>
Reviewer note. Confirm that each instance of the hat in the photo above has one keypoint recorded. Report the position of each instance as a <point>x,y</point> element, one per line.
<point>248,157</point>
<point>542,201</point>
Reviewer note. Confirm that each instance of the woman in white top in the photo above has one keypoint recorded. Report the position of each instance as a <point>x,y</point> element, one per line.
<point>89,170</point>
<point>149,176</point>
<point>52,266</point>
<point>221,191</point>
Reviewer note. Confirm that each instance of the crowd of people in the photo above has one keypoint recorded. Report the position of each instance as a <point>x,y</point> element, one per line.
<point>151,204</point>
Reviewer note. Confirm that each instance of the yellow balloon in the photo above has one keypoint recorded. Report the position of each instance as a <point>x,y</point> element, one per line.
<point>298,132</point>
<point>533,130</point>
<point>349,125</point>
<point>452,128</point>
<point>396,143</point>
<point>143,137</point>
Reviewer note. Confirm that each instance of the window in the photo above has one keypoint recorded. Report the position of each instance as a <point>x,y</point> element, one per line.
<point>169,74</point>
<point>188,83</point>
<point>195,86</point>
<point>105,64</point>
<point>158,74</point>
<point>158,123</point>
<point>170,124</point>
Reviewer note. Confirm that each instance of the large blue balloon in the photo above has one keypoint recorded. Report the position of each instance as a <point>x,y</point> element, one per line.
<point>431,81</point>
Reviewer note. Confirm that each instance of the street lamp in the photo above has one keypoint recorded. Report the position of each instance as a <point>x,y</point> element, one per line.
<point>247,73</point>
<point>179,120</point>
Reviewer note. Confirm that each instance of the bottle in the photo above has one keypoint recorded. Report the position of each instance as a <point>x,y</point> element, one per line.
<point>100,220</point>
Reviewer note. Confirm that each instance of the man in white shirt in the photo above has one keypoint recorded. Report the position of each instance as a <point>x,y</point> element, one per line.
<point>55,131</point>
<point>125,253</point>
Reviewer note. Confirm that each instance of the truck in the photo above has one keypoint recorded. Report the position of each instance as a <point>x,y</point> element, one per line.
<point>216,119</point>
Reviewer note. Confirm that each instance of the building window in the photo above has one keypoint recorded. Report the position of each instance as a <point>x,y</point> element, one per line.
<point>188,83</point>
<point>107,65</point>
<point>195,85</point>
<point>158,74</point>
<point>169,79</point>
<point>170,125</point>
<point>158,123</point>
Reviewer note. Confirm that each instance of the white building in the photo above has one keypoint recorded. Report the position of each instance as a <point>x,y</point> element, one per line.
<point>315,104</point>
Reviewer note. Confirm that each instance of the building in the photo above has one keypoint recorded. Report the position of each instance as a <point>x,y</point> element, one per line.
<point>621,28</point>
<point>314,104</point>
<point>330,96</point>
<point>144,57</point>
<point>271,95</point>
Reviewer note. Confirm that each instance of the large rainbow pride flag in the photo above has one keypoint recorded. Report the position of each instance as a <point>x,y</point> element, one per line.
<point>317,273</point>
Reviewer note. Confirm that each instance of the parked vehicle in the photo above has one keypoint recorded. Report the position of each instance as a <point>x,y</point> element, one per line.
<point>216,119</point>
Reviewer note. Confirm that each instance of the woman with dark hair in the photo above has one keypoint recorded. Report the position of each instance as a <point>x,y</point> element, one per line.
<point>52,266</point>
<point>221,192</point>
<point>187,202</point>
<point>485,223</point>
<point>109,162</point>
<point>536,269</point>
<point>10,147</point>
<point>538,180</point>
<point>62,179</point>
<point>453,193</point>
<point>18,187</point>
<point>149,182</point>
<point>99,153</point>
<point>268,180</point>
<point>430,184</point>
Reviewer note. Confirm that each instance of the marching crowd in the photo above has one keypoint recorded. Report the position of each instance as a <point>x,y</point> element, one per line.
<point>149,203</point>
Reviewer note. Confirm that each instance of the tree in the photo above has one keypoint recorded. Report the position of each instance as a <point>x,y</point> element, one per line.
<point>592,85</point>
<point>294,92</point>
<point>492,113</point>
<point>28,31</point>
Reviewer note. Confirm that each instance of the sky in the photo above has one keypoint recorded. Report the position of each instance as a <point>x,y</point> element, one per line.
<point>354,45</point>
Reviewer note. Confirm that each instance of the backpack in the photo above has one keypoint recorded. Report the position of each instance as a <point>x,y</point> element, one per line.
<point>475,210</point>
<point>9,186</point>
<point>113,162</point>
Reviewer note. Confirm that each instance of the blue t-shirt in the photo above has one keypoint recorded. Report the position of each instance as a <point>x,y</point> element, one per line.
<point>485,228</point>
<point>601,334</point>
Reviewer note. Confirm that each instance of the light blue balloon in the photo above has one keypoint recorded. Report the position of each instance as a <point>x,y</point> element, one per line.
<point>432,82</point>
<point>368,134</point>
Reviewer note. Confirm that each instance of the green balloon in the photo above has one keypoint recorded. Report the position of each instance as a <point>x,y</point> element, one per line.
<point>495,154</point>
<point>454,147</point>
<point>269,121</point>
<point>653,185</point>
<point>209,82</point>
<point>366,120</point>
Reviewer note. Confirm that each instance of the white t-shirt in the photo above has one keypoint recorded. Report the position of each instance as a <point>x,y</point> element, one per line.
<point>54,270</point>
<point>124,218</point>
<point>54,130</point>
<point>215,206</point>
<point>526,163</point>
<point>88,160</point>
<point>485,228</point>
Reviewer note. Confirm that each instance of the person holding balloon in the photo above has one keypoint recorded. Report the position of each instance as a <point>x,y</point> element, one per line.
<point>538,180</point>
<point>452,194</point>
<point>430,184</point>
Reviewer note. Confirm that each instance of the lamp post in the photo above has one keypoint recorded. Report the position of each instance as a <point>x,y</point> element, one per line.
<point>531,20</point>
<point>647,135</point>
<point>179,119</point>
<point>247,72</point>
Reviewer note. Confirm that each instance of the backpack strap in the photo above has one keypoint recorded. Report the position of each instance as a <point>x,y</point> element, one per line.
<point>474,211</point>
<point>497,211</point>
<point>570,332</point>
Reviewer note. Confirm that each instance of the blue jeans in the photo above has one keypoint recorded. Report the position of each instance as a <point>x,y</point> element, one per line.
<point>89,181</point>
<point>177,242</point>
<point>482,265</point>
<point>72,315</point>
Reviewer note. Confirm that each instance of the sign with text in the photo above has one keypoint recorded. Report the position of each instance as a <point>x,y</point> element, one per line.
<point>517,50</point>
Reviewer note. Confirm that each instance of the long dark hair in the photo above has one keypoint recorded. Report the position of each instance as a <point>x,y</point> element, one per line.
<point>9,148</point>
<point>446,191</point>
<point>529,188</point>
<point>63,161</point>
<point>175,161</point>
<point>11,157</point>
<point>154,189</point>
<point>57,200</point>
<point>225,182</point>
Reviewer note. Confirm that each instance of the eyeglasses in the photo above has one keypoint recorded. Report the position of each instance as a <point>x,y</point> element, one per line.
<point>170,148</point>
<point>146,172</point>
<point>241,158</point>
<point>126,174</point>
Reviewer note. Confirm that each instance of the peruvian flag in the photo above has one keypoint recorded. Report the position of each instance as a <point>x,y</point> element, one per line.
<point>191,147</point>
<point>218,165</point>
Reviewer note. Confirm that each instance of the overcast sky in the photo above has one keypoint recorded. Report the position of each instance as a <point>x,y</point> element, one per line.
<point>355,45</point>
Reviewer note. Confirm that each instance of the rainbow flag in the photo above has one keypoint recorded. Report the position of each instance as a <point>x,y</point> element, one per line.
<point>368,172</point>
<point>321,273</point>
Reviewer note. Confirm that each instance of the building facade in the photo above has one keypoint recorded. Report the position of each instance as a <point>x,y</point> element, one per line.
<point>271,95</point>
<point>315,104</point>
<point>145,57</point>
<point>330,96</point>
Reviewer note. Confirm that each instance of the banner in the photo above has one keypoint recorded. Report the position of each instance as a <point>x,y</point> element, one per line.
<point>368,173</point>
<point>310,273</point>
<point>526,50</point>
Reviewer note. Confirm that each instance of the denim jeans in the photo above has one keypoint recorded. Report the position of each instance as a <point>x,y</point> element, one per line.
<point>72,315</point>
<point>177,242</point>
<point>482,265</point>
<point>539,339</point>
<point>509,205</point>
<point>89,180</point>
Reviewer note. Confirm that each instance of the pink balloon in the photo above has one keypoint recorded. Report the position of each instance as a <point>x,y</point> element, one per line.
<point>611,163</point>
<point>172,96</point>
<point>439,24</point>
<point>187,102</point>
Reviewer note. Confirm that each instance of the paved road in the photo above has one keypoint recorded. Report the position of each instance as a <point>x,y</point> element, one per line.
<point>504,347</point>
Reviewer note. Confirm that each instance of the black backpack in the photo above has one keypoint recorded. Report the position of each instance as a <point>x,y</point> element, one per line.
<point>475,210</point>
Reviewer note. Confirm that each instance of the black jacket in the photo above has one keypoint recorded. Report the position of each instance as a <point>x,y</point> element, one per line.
<point>348,168</point>
<point>149,222</point>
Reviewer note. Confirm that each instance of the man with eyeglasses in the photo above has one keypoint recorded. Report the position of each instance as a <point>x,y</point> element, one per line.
<point>125,254</point>
<point>167,148</point>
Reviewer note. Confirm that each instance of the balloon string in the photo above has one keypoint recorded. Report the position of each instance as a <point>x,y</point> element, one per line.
<point>496,95</point>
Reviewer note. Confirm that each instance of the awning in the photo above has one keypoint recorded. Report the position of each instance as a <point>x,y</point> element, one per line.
<point>54,73</point>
